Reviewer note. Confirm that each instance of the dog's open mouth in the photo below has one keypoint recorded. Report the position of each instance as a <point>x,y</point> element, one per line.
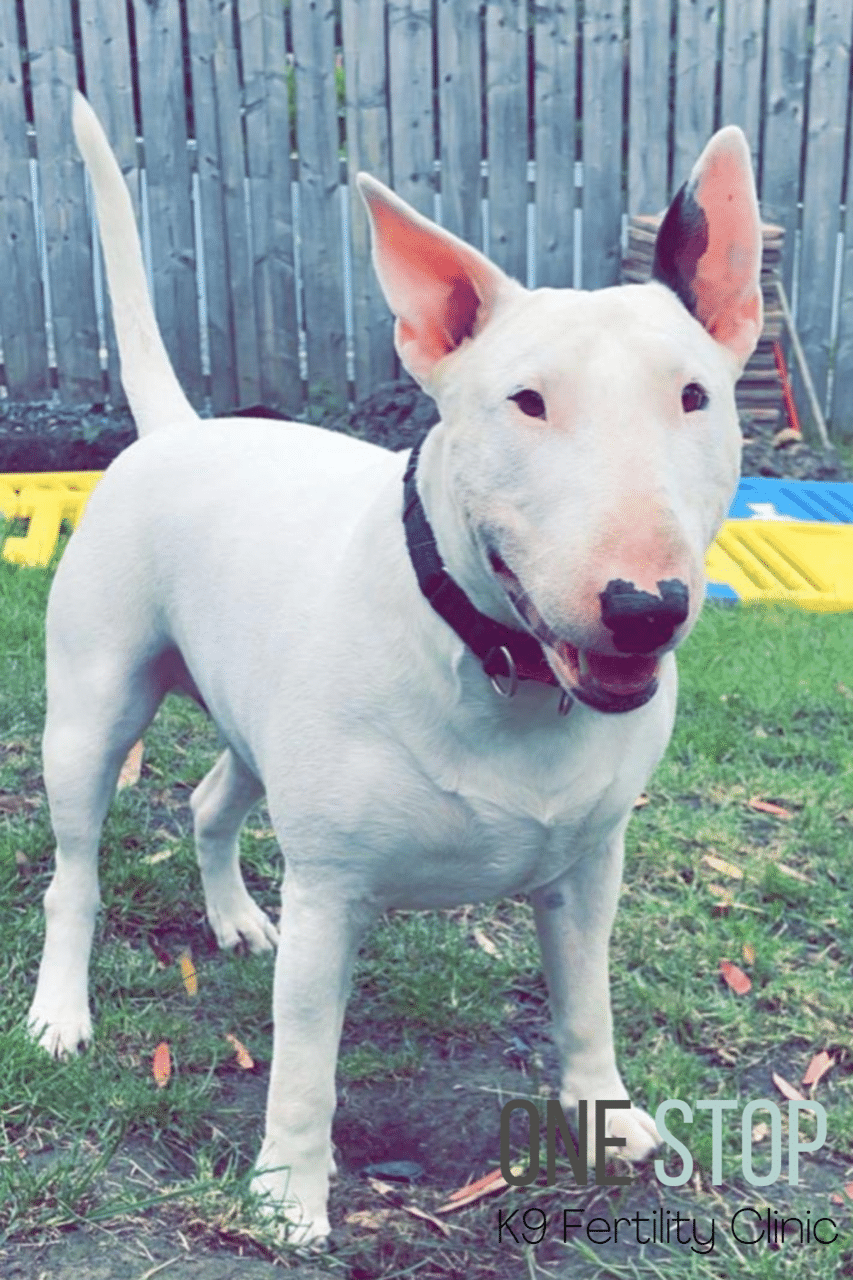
<point>605,682</point>
<point>611,684</point>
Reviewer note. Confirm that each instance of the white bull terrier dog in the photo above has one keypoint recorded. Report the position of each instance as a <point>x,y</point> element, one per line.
<point>387,641</point>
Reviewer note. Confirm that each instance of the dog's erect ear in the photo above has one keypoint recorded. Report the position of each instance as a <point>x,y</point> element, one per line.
<point>440,290</point>
<point>709,244</point>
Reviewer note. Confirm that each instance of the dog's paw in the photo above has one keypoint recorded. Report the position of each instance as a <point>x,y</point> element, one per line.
<point>284,1213</point>
<point>241,920</point>
<point>638,1130</point>
<point>61,1037</point>
<point>634,1125</point>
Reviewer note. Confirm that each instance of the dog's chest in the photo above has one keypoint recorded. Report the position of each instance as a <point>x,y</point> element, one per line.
<point>469,848</point>
<point>442,827</point>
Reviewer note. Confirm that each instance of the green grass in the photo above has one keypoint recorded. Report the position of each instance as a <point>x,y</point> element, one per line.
<point>766,711</point>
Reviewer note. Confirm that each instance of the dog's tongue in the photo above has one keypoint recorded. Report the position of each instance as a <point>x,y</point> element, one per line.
<point>618,675</point>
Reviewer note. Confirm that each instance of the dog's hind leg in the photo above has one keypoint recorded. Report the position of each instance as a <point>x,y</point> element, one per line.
<point>220,803</point>
<point>97,709</point>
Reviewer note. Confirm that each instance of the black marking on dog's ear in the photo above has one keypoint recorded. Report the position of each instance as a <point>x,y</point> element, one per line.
<point>681,241</point>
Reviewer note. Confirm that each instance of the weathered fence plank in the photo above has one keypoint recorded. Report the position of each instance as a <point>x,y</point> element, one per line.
<point>221,161</point>
<point>507,128</point>
<point>602,143</point>
<point>695,75</point>
<point>740,88</point>
<point>67,242</point>
<point>267,125</point>
<point>783,129</point>
<point>313,34</point>
<point>109,88</point>
<point>460,117</point>
<point>22,330</point>
<point>162,91</point>
<point>410,70</point>
<point>555,98</point>
<point>368,148</point>
<point>648,106</point>
<point>830,70</point>
<point>841,407</point>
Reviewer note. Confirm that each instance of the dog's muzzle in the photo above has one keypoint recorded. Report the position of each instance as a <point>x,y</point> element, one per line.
<point>606,682</point>
<point>611,683</point>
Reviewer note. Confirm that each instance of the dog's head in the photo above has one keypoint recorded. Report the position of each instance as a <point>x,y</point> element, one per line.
<point>589,444</point>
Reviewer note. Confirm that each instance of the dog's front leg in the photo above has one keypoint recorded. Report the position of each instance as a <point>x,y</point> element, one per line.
<point>574,917</point>
<point>319,937</point>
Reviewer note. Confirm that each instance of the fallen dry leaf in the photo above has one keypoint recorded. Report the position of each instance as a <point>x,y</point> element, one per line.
<point>760,1132</point>
<point>493,1181</point>
<point>735,977</point>
<point>848,1190</point>
<point>641,801</point>
<point>792,872</point>
<point>724,868</point>
<point>244,1058</point>
<point>369,1219</point>
<point>484,942</point>
<point>132,767</point>
<point>726,898</point>
<point>787,1090</point>
<point>426,1217</point>
<point>748,953</point>
<point>818,1067</point>
<point>161,1067</point>
<point>766,806</point>
<point>160,856</point>
<point>394,1197</point>
<point>488,1185</point>
<point>188,973</point>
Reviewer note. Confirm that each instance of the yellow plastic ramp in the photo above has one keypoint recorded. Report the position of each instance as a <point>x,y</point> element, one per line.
<point>804,563</point>
<point>45,499</point>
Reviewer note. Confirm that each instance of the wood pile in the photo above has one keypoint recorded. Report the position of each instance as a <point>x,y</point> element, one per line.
<point>759,391</point>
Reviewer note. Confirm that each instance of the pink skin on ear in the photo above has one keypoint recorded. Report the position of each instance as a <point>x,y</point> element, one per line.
<point>709,245</point>
<point>439,289</point>
<point>728,297</point>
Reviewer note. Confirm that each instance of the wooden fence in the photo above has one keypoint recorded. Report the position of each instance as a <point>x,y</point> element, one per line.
<point>530,127</point>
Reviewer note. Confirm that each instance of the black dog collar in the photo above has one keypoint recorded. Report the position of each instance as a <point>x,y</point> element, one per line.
<point>506,654</point>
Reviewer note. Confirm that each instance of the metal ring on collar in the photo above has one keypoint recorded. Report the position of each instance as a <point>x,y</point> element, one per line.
<point>510,690</point>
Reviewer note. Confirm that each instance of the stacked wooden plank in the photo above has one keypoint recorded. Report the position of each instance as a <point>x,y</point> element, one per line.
<point>759,391</point>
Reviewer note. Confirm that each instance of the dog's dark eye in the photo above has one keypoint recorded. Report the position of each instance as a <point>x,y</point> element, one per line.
<point>694,397</point>
<point>530,403</point>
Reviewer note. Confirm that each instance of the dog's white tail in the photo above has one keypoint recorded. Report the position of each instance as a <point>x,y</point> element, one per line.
<point>153,391</point>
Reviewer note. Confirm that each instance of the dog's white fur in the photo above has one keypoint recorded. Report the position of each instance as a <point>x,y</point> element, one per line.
<point>263,568</point>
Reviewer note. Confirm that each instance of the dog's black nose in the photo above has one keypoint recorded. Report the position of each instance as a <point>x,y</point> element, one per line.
<point>639,620</point>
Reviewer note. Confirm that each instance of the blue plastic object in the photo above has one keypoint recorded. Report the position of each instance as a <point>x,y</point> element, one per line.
<point>759,498</point>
